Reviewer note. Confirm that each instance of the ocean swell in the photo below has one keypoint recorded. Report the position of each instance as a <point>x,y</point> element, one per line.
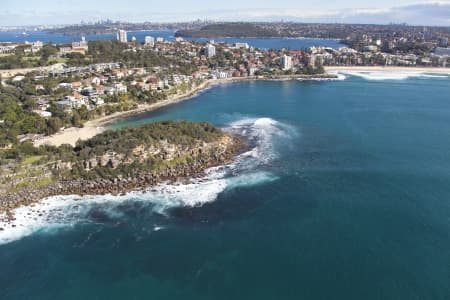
<point>248,169</point>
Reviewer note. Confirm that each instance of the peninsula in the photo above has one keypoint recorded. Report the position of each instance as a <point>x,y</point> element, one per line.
<point>116,161</point>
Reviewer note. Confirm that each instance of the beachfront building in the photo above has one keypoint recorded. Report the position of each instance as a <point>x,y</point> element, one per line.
<point>122,36</point>
<point>286,62</point>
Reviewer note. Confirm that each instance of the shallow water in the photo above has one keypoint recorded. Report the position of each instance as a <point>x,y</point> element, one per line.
<point>344,195</point>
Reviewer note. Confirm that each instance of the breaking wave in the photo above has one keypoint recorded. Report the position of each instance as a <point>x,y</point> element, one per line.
<point>248,169</point>
<point>393,75</point>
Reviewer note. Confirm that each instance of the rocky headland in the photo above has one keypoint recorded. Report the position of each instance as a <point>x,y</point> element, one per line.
<point>121,161</point>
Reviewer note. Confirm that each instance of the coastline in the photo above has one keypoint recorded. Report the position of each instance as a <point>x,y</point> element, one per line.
<point>93,127</point>
<point>224,151</point>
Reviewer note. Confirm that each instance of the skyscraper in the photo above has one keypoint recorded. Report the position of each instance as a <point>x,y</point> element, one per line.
<point>122,36</point>
<point>286,62</point>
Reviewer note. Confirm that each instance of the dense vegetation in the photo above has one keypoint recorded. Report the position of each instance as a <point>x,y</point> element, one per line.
<point>115,153</point>
<point>83,29</point>
<point>101,51</point>
<point>17,116</point>
<point>106,51</point>
<point>123,142</point>
<point>229,30</point>
<point>181,133</point>
<point>21,59</point>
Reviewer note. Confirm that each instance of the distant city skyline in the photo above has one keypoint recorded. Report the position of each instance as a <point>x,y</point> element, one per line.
<point>47,12</point>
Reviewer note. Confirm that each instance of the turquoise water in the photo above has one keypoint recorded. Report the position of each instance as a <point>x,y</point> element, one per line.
<point>344,195</point>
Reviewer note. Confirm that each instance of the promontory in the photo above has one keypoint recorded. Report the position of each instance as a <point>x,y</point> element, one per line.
<point>114,162</point>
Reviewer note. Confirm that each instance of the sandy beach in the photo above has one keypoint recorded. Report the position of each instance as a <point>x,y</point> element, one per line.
<point>387,69</point>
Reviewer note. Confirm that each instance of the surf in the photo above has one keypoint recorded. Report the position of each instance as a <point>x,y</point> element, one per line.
<point>391,75</point>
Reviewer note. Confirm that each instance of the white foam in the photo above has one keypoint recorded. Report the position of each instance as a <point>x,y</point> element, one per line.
<point>392,75</point>
<point>56,213</point>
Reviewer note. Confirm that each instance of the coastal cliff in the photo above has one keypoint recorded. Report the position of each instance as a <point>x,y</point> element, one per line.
<point>119,161</point>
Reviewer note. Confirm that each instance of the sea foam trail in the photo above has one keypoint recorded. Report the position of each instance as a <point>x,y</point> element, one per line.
<point>394,75</point>
<point>248,169</point>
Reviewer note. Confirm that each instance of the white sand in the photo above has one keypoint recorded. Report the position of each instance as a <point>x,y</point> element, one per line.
<point>70,136</point>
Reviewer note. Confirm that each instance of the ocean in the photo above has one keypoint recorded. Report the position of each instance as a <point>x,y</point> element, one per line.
<point>261,43</point>
<point>344,194</point>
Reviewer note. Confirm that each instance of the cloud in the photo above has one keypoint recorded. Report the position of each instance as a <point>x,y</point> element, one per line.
<point>423,13</point>
<point>428,13</point>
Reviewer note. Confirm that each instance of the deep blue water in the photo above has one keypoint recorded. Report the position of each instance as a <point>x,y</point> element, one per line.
<point>262,43</point>
<point>345,196</point>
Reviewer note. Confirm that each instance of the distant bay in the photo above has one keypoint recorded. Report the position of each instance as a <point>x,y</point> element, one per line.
<point>264,43</point>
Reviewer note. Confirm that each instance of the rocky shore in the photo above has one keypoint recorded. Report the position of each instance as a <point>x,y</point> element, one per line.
<point>120,184</point>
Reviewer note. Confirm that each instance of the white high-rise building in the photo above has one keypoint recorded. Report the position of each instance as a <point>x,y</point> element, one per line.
<point>210,50</point>
<point>122,36</point>
<point>286,62</point>
<point>149,41</point>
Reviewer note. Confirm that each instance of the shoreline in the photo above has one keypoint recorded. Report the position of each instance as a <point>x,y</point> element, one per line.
<point>93,127</point>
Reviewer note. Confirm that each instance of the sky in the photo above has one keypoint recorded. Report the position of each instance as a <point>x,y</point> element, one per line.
<point>43,12</point>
